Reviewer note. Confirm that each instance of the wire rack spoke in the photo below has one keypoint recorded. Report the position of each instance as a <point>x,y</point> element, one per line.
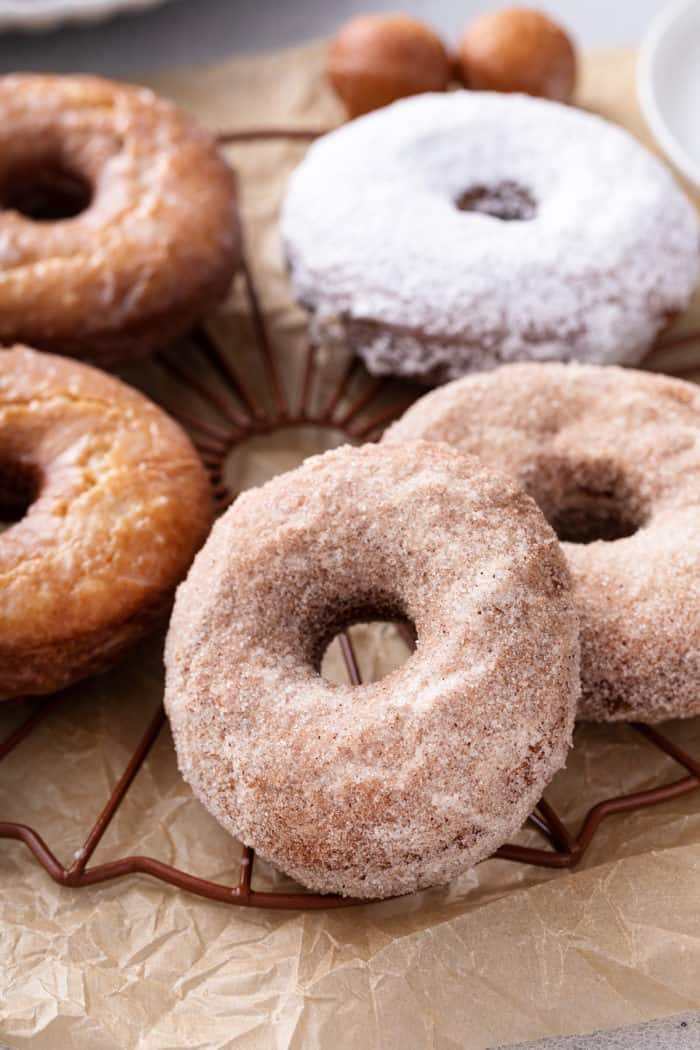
<point>221,363</point>
<point>264,345</point>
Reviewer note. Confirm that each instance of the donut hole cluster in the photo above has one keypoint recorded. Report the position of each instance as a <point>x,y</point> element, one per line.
<point>19,488</point>
<point>45,190</point>
<point>588,500</point>
<point>507,201</point>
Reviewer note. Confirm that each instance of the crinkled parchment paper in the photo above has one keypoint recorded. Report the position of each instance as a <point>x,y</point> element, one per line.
<point>505,953</point>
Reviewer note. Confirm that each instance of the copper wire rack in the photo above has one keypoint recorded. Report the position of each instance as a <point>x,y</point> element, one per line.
<point>359,407</point>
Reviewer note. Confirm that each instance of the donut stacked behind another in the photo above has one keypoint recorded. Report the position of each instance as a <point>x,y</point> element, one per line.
<point>612,456</point>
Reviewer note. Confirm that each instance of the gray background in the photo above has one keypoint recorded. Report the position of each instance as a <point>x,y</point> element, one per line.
<point>185,31</point>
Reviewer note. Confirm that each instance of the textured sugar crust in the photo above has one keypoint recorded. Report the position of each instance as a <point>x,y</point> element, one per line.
<point>123,504</point>
<point>155,248</point>
<point>604,442</point>
<point>383,788</point>
<point>391,268</point>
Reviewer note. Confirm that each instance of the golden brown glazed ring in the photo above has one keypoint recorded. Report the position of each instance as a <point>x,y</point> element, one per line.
<point>109,503</point>
<point>119,225</point>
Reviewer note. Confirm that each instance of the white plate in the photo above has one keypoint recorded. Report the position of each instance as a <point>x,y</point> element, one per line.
<point>668,82</point>
<point>38,15</point>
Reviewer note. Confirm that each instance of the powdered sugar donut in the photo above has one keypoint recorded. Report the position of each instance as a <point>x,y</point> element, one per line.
<point>452,233</point>
<point>376,789</point>
<point>612,456</point>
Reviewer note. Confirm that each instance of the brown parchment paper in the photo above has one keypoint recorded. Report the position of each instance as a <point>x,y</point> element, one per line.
<point>505,953</point>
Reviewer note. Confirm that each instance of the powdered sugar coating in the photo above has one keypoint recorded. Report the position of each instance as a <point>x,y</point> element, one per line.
<point>609,442</point>
<point>392,269</point>
<point>382,788</point>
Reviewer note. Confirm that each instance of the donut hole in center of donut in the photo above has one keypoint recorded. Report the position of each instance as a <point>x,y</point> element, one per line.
<point>592,520</point>
<point>587,501</point>
<point>45,192</point>
<point>19,488</point>
<point>381,640</point>
<point>507,201</point>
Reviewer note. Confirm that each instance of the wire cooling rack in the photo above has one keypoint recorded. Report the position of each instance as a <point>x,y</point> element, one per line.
<point>359,407</point>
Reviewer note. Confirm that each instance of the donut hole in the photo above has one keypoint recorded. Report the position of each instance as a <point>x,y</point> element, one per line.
<point>380,647</point>
<point>507,201</point>
<point>46,192</point>
<point>592,519</point>
<point>19,488</point>
<point>381,638</point>
<point>588,501</point>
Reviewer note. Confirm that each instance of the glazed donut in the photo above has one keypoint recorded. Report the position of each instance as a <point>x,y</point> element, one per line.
<point>612,457</point>
<point>377,789</point>
<point>452,233</point>
<point>118,223</point>
<point>106,503</point>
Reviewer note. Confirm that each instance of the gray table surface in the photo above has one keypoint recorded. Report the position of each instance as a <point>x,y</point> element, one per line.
<point>195,31</point>
<point>185,31</point>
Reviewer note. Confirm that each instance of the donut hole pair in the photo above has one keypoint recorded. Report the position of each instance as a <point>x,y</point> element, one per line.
<point>19,488</point>
<point>508,201</point>
<point>586,500</point>
<point>45,189</point>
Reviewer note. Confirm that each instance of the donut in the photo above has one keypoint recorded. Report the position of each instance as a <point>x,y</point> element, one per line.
<point>451,233</point>
<point>378,789</point>
<point>375,59</point>
<point>103,502</point>
<point>612,457</point>
<point>118,223</point>
<point>517,49</point>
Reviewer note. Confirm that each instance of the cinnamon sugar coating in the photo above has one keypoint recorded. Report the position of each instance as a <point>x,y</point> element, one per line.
<point>118,505</point>
<point>154,248</point>
<point>612,453</point>
<point>383,788</point>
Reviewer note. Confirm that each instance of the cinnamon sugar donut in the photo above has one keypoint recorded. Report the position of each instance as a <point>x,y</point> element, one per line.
<point>612,456</point>
<point>452,233</point>
<point>377,789</point>
<point>104,503</point>
<point>118,224</point>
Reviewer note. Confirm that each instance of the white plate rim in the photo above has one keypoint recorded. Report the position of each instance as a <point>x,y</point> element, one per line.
<point>647,94</point>
<point>47,14</point>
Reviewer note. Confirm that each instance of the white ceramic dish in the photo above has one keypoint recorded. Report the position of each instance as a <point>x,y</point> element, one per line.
<point>38,15</point>
<point>668,82</point>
